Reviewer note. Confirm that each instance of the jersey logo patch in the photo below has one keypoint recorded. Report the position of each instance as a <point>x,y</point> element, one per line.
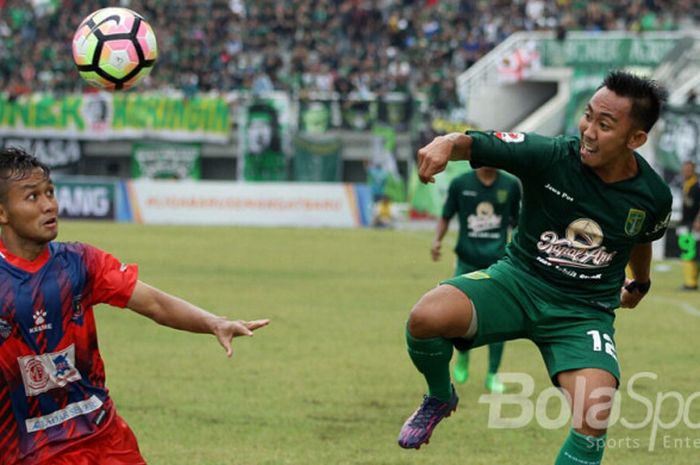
<point>484,219</point>
<point>582,247</point>
<point>477,275</point>
<point>78,309</point>
<point>511,137</point>
<point>40,323</point>
<point>44,372</point>
<point>662,224</point>
<point>502,195</point>
<point>634,222</point>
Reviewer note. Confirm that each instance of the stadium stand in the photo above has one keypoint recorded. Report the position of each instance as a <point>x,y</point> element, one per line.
<point>311,45</point>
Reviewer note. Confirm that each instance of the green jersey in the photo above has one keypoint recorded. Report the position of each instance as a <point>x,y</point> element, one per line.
<point>485,214</point>
<point>575,231</point>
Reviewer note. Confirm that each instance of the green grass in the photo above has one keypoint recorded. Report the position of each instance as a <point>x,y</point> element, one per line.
<point>329,381</point>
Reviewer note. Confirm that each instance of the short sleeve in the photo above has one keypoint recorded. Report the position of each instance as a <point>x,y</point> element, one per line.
<point>522,154</point>
<point>112,282</point>
<point>658,226</point>
<point>451,205</point>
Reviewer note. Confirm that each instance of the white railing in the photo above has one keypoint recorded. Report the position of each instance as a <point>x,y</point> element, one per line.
<point>485,71</point>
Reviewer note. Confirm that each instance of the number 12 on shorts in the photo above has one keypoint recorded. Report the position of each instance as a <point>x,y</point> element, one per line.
<point>598,343</point>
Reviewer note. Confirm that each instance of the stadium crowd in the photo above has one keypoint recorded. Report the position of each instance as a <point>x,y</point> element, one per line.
<point>310,45</point>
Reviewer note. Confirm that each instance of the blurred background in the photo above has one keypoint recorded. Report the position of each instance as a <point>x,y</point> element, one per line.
<point>327,95</point>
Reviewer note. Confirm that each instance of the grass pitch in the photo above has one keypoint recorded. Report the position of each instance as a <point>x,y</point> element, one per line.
<point>329,381</point>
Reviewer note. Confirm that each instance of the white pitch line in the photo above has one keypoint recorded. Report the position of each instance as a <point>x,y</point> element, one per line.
<point>685,306</point>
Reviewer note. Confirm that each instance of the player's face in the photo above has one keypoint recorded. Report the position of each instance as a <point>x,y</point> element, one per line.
<point>30,213</point>
<point>608,134</point>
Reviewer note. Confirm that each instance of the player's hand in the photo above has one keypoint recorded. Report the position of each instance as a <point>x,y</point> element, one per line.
<point>433,158</point>
<point>226,330</point>
<point>629,299</point>
<point>435,250</point>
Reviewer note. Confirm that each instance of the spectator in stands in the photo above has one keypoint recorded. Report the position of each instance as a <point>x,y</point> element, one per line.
<point>303,45</point>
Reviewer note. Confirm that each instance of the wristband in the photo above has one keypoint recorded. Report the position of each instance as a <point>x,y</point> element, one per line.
<point>638,286</point>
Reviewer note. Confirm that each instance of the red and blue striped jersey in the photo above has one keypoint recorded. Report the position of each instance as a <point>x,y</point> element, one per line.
<point>52,378</point>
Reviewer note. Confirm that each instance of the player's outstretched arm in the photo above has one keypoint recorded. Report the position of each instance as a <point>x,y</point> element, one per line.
<point>640,266</point>
<point>433,158</point>
<point>168,310</point>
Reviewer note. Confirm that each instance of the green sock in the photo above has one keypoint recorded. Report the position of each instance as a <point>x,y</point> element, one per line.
<point>495,355</point>
<point>579,449</point>
<point>432,358</point>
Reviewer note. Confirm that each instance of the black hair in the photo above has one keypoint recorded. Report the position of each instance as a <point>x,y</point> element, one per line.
<point>647,96</point>
<point>15,165</point>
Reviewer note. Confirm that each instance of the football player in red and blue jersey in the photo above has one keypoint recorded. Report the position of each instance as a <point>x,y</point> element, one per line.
<point>54,406</point>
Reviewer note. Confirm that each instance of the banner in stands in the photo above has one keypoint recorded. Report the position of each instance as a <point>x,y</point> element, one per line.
<point>605,51</point>
<point>262,138</point>
<point>322,113</point>
<point>318,116</point>
<point>249,204</point>
<point>90,200</point>
<point>358,114</point>
<point>104,115</point>
<point>61,155</point>
<point>678,140</point>
<point>396,110</point>
<point>317,158</point>
<point>583,85</point>
<point>166,161</point>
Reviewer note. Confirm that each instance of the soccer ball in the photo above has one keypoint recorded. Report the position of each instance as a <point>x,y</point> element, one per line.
<point>114,48</point>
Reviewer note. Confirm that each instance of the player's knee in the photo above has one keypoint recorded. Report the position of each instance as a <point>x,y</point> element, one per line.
<point>441,312</point>
<point>421,322</point>
<point>592,419</point>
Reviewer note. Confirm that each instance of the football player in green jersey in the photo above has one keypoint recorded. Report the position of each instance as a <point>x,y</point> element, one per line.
<point>486,202</point>
<point>591,205</point>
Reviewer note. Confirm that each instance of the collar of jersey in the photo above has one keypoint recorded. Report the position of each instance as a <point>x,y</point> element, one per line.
<point>30,266</point>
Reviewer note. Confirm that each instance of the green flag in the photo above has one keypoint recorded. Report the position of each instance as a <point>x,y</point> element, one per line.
<point>263,156</point>
<point>317,158</point>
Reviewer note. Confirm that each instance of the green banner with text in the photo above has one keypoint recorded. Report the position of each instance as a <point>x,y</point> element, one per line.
<point>605,51</point>
<point>166,161</point>
<point>103,116</point>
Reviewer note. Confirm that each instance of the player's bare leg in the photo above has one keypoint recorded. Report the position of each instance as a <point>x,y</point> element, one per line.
<point>590,392</point>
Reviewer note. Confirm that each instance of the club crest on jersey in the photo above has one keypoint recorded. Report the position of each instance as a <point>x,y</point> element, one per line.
<point>5,329</point>
<point>40,323</point>
<point>635,221</point>
<point>78,310</point>
<point>501,195</point>
<point>511,137</point>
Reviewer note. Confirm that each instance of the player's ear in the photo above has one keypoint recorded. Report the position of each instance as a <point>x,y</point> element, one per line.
<point>3,214</point>
<point>637,139</point>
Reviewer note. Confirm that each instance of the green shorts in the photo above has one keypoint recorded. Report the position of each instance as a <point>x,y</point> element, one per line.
<point>511,304</point>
